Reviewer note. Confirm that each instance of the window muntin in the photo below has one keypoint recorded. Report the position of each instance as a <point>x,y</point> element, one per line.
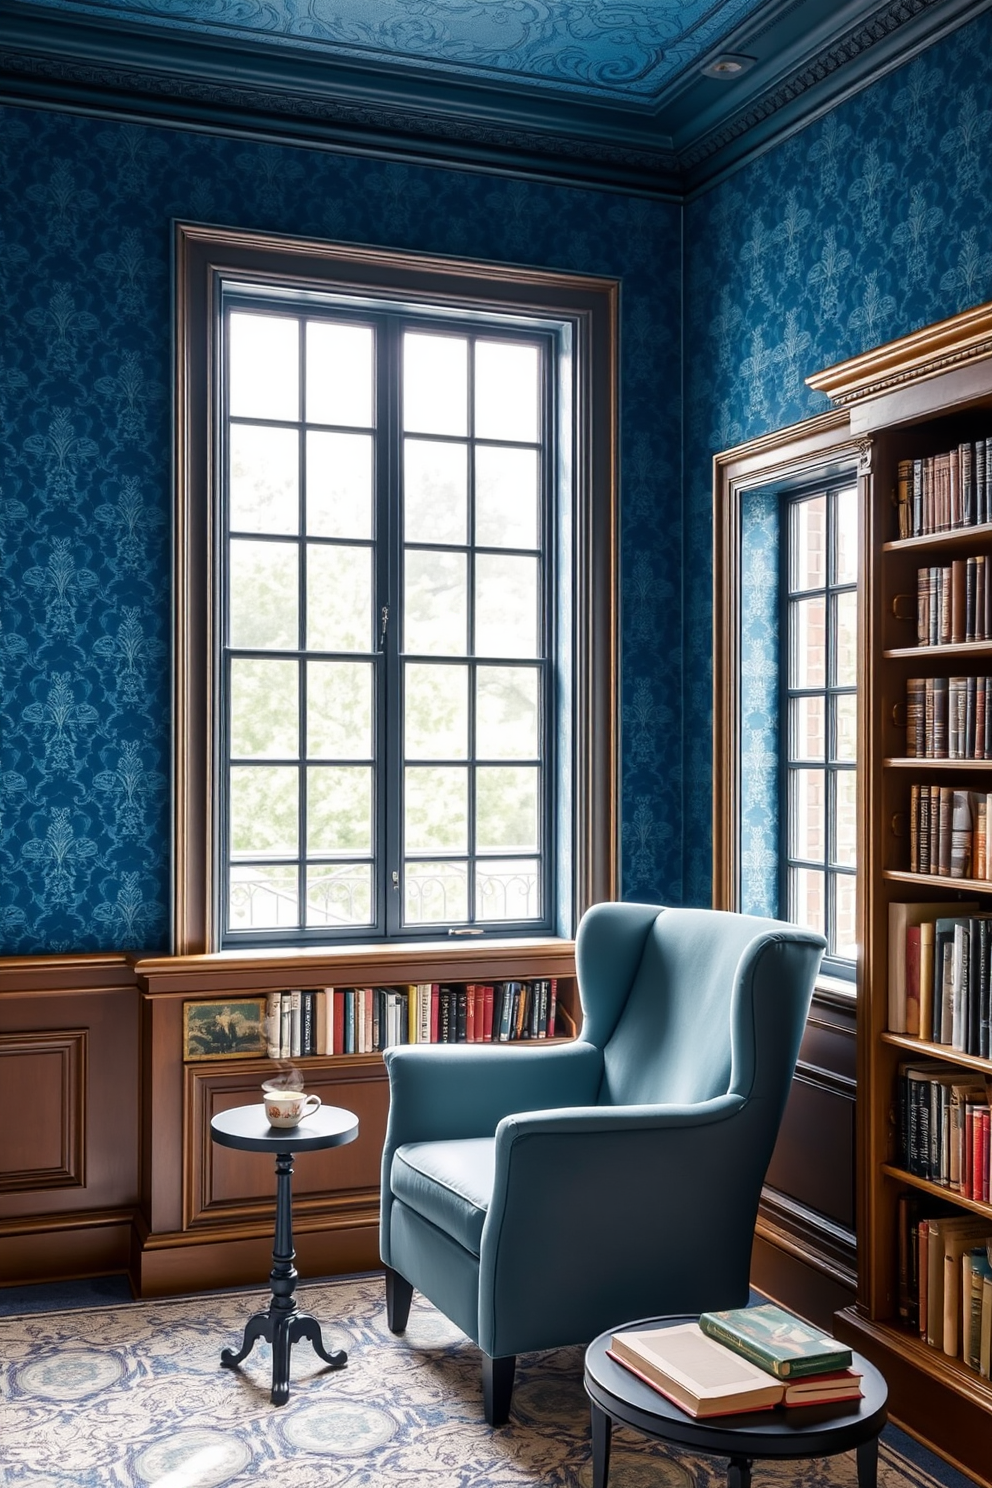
<point>820,691</point>
<point>386,629</point>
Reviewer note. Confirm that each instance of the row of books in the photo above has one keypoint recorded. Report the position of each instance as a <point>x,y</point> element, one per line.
<point>944,1125</point>
<point>948,718</point>
<point>948,831</point>
<point>954,602</point>
<point>940,974</point>
<point>937,493</point>
<point>748,1358</point>
<point>363,1020</point>
<point>945,1279</point>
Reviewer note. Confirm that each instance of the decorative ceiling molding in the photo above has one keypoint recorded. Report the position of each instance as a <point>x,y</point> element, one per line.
<point>279,93</point>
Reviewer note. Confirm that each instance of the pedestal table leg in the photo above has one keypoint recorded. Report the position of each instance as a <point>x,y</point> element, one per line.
<point>739,1473</point>
<point>868,1463</point>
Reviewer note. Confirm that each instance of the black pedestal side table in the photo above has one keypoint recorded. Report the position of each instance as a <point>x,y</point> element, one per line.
<point>247,1128</point>
<point>786,1432</point>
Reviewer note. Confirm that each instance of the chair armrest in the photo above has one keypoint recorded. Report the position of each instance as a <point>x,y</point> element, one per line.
<point>443,1092</point>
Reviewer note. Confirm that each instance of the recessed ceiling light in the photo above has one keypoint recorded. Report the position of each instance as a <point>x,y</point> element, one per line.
<point>728,65</point>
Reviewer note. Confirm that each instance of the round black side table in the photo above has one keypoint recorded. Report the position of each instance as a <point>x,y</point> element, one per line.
<point>247,1128</point>
<point>786,1432</point>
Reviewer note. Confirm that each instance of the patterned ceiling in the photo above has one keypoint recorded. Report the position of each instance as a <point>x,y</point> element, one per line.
<point>610,49</point>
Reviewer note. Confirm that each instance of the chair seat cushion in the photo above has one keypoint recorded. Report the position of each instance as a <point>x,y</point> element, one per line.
<point>448,1183</point>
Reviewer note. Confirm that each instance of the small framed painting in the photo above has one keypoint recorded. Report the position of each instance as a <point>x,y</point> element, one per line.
<point>224,1030</point>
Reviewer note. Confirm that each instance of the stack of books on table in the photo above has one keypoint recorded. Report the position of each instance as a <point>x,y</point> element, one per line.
<point>750,1358</point>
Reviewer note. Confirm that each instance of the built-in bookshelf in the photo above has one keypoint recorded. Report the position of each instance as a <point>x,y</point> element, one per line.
<point>923,408</point>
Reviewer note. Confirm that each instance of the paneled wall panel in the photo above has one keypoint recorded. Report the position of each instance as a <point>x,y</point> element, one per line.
<point>42,1076</point>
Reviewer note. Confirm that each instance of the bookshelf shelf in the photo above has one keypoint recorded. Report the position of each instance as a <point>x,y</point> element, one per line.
<point>910,762</point>
<point>944,651</point>
<point>938,881</point>
<point>957,539</point>
<point>923,1047</point>
<point>938,1191</point>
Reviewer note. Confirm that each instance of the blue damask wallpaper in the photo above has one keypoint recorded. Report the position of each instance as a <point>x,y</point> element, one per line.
<point>85,384</point>
<point>871,222</point>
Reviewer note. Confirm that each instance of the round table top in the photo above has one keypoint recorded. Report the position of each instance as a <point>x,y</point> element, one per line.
<point>247,1128</point>
<point>784,1431</point>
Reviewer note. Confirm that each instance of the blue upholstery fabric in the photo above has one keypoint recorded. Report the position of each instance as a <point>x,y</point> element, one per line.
<point>539,1196</point>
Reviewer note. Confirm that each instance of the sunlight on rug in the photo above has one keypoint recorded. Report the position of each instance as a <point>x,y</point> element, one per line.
<point>134,1397</point>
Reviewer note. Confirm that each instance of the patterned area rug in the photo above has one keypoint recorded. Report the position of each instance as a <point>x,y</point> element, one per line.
<point>133,1397</point>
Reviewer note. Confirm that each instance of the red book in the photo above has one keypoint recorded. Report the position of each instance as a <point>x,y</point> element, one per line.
<point>470,1012</point>
<point>913,981</point>
<point>338,1022</point>
<point>434,1000</point>
<point>982,1166</point>
<point>487,1014</point>
<point>552,1007</point>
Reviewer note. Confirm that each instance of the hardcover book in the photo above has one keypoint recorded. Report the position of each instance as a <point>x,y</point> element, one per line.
<point>777,1341</point>
<point>704,1378</point>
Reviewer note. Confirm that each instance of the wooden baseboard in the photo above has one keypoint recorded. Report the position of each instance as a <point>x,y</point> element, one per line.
<point>169,1265</point>
<point>65,1247</point>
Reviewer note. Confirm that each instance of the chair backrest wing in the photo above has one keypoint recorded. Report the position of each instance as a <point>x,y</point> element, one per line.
<point>684,1028</point>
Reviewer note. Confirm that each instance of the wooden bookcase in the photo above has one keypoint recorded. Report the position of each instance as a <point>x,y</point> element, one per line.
<point>206,1212</point>
<point>919,396</point>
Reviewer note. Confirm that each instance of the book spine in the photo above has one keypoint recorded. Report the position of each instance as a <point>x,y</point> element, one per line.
<point>286,1026</point>
<point>308,1023</point>
<point>273,1022</point>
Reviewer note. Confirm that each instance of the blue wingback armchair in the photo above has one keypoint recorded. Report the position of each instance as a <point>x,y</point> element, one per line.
<point>538,1196</point>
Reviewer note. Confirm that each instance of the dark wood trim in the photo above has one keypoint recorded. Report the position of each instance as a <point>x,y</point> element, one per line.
<point>65,1247</point>
<point>782,457</point>
<point>203,257</point>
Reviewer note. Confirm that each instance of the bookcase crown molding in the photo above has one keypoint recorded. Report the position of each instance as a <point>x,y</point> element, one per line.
<point>936,348</point>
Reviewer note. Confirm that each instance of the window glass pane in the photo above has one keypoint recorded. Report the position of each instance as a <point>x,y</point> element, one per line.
<point>339,484</point>
<point>264,582</point>
<point>845,833</point>
<point>506,808</point>
<point>264,709</point>
<point>435,711</point>
<point>806,735</point>
<point>846,638</point>
<point>508,890</point>
<point>506,713</point>
<point>808,649</point>
<point>435,603</point>
<point>264,366</point>
<point>436,815</point>
<point>845,707</point>
<point>265,474</point>
<point>807,898</point>
<point>807,815</point>
<point>506,498</point>
<point>264,805</point>
<point>339,598</point>
<point>846,541</point>
<point>506,608</point>
<point>263,898</point>
<point>339,809</point>
<point>435,893</point>
<point>435,492</point>
<point>808,548</point>
<point>339,894</point>
<point>506,391</point>
<point>435,384</point>
<point>845,936</point>
<point>339,374</point>
<point>339,709</point>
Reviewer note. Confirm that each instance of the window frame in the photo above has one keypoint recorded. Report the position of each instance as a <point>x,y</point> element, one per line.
<point>586,537</point>
<point>818,452</point>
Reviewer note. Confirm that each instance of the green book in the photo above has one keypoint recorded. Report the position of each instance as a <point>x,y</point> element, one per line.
<point>775,1340</point>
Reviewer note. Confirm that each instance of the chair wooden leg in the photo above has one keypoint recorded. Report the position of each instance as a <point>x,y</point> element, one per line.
<point>399,1295</point>
<point>497,1387</point>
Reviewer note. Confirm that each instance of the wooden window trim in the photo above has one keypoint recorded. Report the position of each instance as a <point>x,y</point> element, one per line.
<point>203,258</point>
<point>787,456</point>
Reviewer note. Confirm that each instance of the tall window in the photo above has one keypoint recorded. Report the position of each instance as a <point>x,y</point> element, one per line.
<point>396,596</point>
<point>387,629</point>
<point>819,811</point>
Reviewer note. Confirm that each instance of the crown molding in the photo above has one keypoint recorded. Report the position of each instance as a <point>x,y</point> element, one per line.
<point>137,74</point>
<point>935,349</point>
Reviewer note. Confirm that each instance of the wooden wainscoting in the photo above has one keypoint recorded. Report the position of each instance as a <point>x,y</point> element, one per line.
<point>69,1077</point>
<point>805,1253</point>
